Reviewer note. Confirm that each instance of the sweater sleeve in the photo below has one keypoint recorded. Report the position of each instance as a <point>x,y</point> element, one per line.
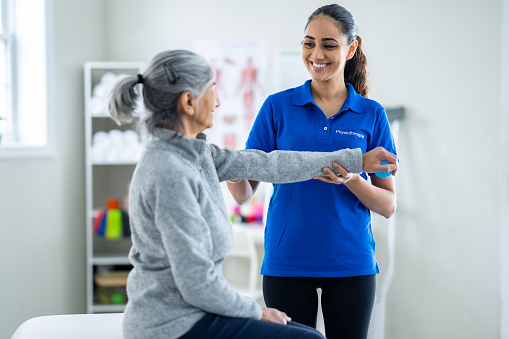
<point>187,241</point>
<point>281,166</point>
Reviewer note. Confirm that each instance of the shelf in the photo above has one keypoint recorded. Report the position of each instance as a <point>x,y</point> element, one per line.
<point>111,153</point>
<point>131,163</point>
<point>99,308</point>
<point>111,278</point>
<point>113,65</point>
<point>100,116</point>
<point>256,230</point>
<point>110,260</point>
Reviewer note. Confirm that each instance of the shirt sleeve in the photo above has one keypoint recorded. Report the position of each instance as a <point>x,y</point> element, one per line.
<point>187,241</point>
<point>382,135</point>
<point>281,166</point>
<point>263,133</point>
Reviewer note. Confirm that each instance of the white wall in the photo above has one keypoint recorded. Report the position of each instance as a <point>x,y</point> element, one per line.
<point>439,59</point>
<point>504,187</point>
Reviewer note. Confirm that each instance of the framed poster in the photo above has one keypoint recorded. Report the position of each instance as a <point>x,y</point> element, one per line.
<point>241,70</point>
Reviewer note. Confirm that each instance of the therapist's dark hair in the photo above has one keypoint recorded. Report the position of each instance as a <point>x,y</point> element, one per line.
<point>355,69</point>
<point>170,74</point>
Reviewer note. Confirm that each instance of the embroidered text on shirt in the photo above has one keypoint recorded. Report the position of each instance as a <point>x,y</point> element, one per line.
<point>350,133</point>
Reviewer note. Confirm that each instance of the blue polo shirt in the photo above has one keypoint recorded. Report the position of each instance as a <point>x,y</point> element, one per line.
<point>316,229</point>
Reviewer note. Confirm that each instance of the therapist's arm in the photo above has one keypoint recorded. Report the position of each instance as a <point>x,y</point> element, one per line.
<point>243,190</point>
<point>379,196</point>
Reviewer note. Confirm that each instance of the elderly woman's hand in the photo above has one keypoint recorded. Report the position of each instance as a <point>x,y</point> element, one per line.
<point>275,316</point>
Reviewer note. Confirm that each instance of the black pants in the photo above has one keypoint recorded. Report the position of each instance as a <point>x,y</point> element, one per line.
<point>346,302</point>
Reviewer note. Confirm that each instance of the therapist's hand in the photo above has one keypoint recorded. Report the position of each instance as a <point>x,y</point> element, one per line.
<point>372,161</point>
<point>342,177</point>
<point>275,316</point>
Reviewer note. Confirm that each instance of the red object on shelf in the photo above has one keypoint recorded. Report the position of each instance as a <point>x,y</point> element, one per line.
<point>98,220</point>
<point>250,218</point>
<point>113,203</point>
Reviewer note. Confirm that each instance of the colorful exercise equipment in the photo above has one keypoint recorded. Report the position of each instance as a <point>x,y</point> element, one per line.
<point>112,223</point>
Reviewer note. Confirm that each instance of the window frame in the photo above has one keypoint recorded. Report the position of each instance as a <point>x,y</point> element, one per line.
<point>20,149</point>
<point>6,40</point>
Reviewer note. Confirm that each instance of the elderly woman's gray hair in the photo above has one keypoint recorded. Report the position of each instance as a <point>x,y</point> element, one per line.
<point>169,74</point>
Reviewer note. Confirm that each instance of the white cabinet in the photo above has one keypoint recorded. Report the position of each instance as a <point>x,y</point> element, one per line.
<point>111,153</point>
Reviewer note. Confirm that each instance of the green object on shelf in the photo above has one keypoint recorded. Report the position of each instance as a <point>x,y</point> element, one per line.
<point>103,298</point>
<point>114,224</point>
<point>117,298</point>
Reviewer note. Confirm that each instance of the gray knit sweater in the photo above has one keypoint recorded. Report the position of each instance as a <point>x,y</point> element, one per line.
<point>181,231</point>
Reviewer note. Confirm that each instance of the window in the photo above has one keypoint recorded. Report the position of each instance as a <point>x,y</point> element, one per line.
<point>5,81</point>
<point>23,68</point>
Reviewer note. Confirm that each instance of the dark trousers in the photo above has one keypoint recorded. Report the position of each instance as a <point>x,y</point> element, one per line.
<point>346,302</point>
<point>214,326</point>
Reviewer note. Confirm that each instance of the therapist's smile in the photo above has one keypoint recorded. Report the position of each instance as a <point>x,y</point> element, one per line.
<point>318,66</point>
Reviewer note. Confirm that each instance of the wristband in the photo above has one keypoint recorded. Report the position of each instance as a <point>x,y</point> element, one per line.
<point>234,182</point>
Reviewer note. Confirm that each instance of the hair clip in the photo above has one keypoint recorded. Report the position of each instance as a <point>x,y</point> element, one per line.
<point>171,73</point>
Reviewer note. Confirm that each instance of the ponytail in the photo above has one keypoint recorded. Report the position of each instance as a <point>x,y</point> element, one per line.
<point>355,71</point>
<point>123,100</point>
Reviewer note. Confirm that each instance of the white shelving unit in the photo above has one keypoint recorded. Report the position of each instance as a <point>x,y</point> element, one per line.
<point>107,176</point>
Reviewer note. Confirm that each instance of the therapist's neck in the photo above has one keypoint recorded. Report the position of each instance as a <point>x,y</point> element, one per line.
<point>329,89</point>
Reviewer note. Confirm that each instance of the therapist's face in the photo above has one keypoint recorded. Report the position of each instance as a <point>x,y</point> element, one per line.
<point>325,49</point>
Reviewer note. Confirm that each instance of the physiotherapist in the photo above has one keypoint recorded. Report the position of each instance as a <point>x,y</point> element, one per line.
<point>318,232</point>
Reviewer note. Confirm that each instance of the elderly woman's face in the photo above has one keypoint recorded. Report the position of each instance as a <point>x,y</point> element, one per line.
<point>208,102</point>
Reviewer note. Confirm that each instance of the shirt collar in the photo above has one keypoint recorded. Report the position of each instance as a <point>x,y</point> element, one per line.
<point>302,94</point>
<point>355,102</point>
<point>189,148</point>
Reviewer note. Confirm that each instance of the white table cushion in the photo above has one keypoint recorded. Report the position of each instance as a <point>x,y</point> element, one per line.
<point>77,326</point>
